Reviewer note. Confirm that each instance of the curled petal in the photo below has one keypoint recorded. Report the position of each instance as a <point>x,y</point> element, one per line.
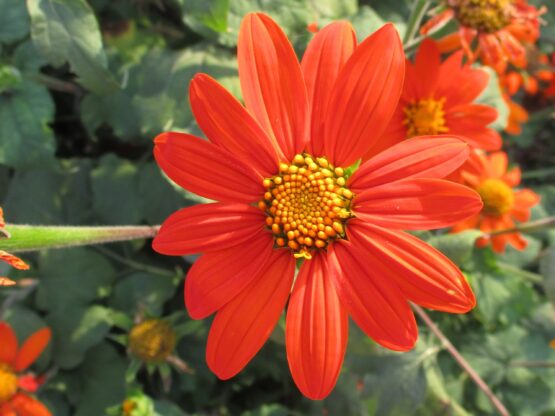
<point>272,82</point>
<point>227,123</point>
<point>8,346</point>
<point>13,261</point>
<point>244,324</point>
<point>316,330</point>
<point>417,204</point>
<point>374,301</point>
<point>323,59</point>
<point>216,278</point>
<point>424,275</point>
<point>420,157</point>
<point>31,349</point>
<point>364,97</point>
<point>207,227</point>
<point>206,169</point>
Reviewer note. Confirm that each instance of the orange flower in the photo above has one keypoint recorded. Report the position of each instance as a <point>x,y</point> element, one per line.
<point>489,176</point>
<point>7,257</point>
<point>278,169</point>
<point>14,387</point>
<point>438,98</point>
<point>517,116</point>
<point>499,26</point>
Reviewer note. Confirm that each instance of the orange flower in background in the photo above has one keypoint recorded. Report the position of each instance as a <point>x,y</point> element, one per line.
<point>12,260</point>
<point>14,386</point>
<point>438,98</point>
<point>517,116</point>
<point>278,169</point>
<point>498,26</point>
<point>489,176</point>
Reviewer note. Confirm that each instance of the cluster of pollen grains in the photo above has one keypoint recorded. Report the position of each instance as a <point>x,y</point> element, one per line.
<point>8,383</point>
<point>307,204</point>
<point>497,196</point>
<point>484,15</point>
<point>425,117</point>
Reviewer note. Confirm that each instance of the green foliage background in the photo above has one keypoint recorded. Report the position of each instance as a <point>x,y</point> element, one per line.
<point>84,87</point>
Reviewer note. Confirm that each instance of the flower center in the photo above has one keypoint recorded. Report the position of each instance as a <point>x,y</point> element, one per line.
<point>483,15</point>
<point>152,341</point>
<point>425,117</point>
<point>8,383</point>
<point>307,204</point>
<point>497,196</point>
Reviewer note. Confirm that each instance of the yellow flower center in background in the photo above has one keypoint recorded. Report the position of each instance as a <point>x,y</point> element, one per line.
<point>128,407</point>
<point>484,15</point>
<point>8,383</point>
<point>307,204</point>
<point>425,117</point>
<point>152,341</point>
<point>497,196</point>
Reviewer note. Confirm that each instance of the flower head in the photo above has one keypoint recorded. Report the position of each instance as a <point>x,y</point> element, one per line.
<point>499,26</point>
<point>489,176</point>
<point>14,386</point>
<point>278,171</point>
<point>152,341</point>
<point>438,98</point>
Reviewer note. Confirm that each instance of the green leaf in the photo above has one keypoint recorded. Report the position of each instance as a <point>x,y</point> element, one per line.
<point>25,138</point>
<point>77,332</point>
<point>211,15</point>
<point>493,97</point>
<point>10,78</point>
<point>14,20</point>
<point>143,292</point>
<point>366,22</point>
<point>103,378</point>
<point>547,269</point>
<point>67,31</point>
<point>458,247</point>
<point>115,192</point>
<point>82,273</point>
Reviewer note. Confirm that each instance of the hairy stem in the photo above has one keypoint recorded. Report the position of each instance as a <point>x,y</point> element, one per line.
<point>461,361</point>
<point>527,227</point>
<point>31,238</point>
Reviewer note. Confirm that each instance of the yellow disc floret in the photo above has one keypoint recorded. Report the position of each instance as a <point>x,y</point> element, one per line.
<point>425,117</point>
<point>497,196</point>
<point>487,16</point>
<point>307,204</point>
<point>152,341</point>
<point>8,383</point>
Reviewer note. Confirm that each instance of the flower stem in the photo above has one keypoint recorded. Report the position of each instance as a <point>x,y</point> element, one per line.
<point>416,16</point>
<point>527,227</point>
<point>31,238</point>
<point>461,361</point>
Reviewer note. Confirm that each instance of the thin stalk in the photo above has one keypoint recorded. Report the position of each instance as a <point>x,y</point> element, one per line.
<point>55,83</point>
<point>25,238</point>
<point>135,264</point>
<point>530,226</point>
<point>509,268</point>
<point>533,364</point>
<point>416,16</point>
<point>461,361</point>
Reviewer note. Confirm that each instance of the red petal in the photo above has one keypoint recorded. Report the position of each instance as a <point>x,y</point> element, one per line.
<point>272,82</point>
<point>460,84</point>
<point>243,325</point>
<point>8,346</point>
<point>374,302</point>
<point>24,405</point>
<point>31,349</point>
<point>207,227</point>
<point>325,56</point>
<point>216,278</point>
<point>424,275</point>
<point>427,65</point>
<point>420,157</point>
<point>316,330</point>
<point>13,261</point>
<point>206,169</point>
<point>417,204</point>
<point>228,124</point>
<point>364,97</point>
